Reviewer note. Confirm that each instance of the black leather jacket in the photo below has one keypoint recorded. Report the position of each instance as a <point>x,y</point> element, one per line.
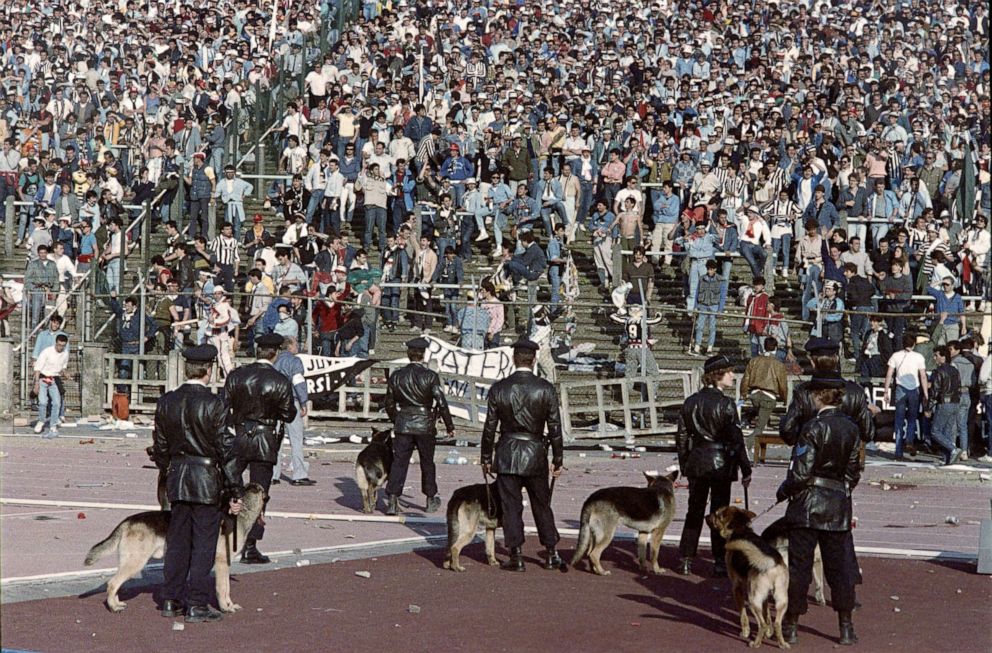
<point>801,410</point>
<point>945,386</point>
<point>825,468</point>
<point>709,439</point>
<point>523,404</point>
<point>414,397</point>
<point>192,442</point>
<point>261,399</point>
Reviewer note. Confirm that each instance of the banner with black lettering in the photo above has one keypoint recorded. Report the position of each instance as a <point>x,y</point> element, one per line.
<point>325,375</point>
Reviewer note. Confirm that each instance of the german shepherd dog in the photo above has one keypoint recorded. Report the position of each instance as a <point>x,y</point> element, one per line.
<point>161,493</point>
<point>777,534</point>
<point>648,510</point>
<point>142,536</point>
<point>759,576</point>
<point>372,467</point>
<point>467,508</point>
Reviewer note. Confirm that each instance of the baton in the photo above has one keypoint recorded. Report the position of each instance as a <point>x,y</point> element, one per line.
<point>747,502</point>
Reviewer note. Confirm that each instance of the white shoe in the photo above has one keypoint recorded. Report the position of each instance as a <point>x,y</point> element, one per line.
<point>709,349</point>
<point>39,427</point>
<point>985,459</point>
<point>482,236</point>
<point>52,434</point>
<point>582,227</point>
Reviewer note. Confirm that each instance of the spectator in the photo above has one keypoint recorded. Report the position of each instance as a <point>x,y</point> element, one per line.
<point>40,279</point>
<point>949,307</point>
<point>707,307</point>
<point>49,369</point>
<point>765,384</point>
<point>876,348</point>
<point>449,272</point>
<point>942,406</point>
<point>906,375</point>
<point>967,376</point>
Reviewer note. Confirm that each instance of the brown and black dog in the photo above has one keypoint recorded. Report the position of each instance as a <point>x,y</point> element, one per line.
<point>648,510</point>
<point>372,467</point>
<point>468,507</point>
<point>758,574</point>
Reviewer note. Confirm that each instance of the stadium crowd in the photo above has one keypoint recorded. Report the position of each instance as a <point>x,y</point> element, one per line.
<point>841,146</point>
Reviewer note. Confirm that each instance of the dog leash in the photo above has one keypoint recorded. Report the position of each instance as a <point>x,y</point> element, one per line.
<point>490,510</point>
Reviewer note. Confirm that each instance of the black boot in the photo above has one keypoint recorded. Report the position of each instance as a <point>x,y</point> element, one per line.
<point>252,556</point>
<point>392,504</point>
<point>201,614</point>
<point>433,503</point>
<point>172,608</point>
<point>685,566</point>
<point>516,561</point>
<point>847,636</point>
<point>552,560</point>
<point>719,569</point>
<point>790,628</point>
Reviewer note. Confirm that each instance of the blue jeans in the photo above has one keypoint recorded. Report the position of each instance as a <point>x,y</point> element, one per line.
<point>48,393</point>
<point>782,247</point>
<point>811,287</point>
<point>316,197</point>
<point>518,270</point>
<point>964,406</point>
<point>726,266</point>
<point>450,308</point>
<point>391,302</point>
<point>944,428</point>
<point>696,271</point>
<point>702,319</point>
<point>907,412</point>
<point>554,277</point>
<point>755,256</point>
<point>859,327</point>
<point>557,207</point>
<point>375,216</point>
<point>360,349</point>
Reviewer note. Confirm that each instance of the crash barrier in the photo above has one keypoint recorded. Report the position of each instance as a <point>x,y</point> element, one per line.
<point>623,407</point>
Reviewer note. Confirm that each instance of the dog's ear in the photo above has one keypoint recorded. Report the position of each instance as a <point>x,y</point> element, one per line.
<point>750,515</point>
<point>650,477</point>
<point>673,476</point>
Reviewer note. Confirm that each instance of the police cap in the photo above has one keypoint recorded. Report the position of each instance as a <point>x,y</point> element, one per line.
<point>418,343</point>
<point>525,343</point>
<point>822,346</point>
<point>200,354</point>
<point>270,340</point>
<point>716,363</point>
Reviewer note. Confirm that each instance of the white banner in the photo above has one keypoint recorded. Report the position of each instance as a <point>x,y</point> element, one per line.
<point>325,375</point>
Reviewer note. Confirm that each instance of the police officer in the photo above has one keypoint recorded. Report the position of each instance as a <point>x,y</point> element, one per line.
<point>524,406</point>
<point>824,355</point>
<point>413,398</point>
<point>192,442</point>
<point>711,449</point>
<point>261,400</point>
<point>824,470</point>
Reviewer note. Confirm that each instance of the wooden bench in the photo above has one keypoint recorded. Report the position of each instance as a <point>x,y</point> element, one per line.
<point>762,441</point>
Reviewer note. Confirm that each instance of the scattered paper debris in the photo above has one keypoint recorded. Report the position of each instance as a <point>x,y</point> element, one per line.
<point>896,610</point>
<point>413,609</point>
<point>130,435</point>
<point>894,597</point>
<point>953,520</point>
<point>303,563</point>
<point>178,626</point>
<point>364,574</point>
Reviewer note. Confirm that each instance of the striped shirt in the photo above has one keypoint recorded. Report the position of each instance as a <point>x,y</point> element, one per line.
<point>226,250</point>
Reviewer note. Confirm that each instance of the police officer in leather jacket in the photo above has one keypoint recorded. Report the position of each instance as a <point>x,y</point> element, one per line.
<point>261,401</point>
<point>523,406</point>
<point>711,449</point>
<point>192,443</point>
<point>825,469</point>
<point>414,397</point>
<point>824,354</point>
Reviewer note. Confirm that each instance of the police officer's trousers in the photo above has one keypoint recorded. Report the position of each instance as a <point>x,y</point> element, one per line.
<point>403,446</point>
<point>191,545</point>
<point>839,567</point>
<point>539,494</point>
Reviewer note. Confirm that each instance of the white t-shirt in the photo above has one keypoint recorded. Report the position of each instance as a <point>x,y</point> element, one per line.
<point>906,366</point>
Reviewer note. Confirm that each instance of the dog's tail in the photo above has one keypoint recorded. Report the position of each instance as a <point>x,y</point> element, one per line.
<point>585,536</point>
<point>106,546</point>
<point>452,516</point>
<point>755,556</point>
